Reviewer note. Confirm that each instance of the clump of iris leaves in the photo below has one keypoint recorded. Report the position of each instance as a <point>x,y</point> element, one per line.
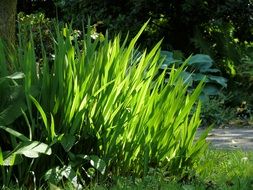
<point>97,110</point>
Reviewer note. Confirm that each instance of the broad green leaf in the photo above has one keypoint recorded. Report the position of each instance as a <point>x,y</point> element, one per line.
<point>52,127</point>
<point>3,62</point>
<point>55,175</point>
<point>53,186</point>
<point>210,89</point>
<point>11,159</point>
<point>68,172</point>
<point>220,80</point>
<point>68,141</point>
<point>11,113</point>
<point>168,59</point>
<point>201,62</point>
<point>200,77</point>
<point>187,77</point>
<point>1,157</point>
<point>42,113</point>
<point>211,70</point>
<point>15,133</point>
<point>33,149</point>
<point>98,163</point>
<point>16,75</point>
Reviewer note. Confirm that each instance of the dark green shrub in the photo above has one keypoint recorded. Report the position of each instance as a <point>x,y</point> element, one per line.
<point>40,28</point>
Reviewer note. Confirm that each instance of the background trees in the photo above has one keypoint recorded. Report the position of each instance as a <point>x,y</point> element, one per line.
<point>7,20</point>
<point>176,21</point>
<point>221,29</point>
<point>191,26</point>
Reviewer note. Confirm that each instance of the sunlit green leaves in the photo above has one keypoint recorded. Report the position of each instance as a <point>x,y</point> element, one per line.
<point>104,106</point>
<point>1,157</point>
<point>33,149</point>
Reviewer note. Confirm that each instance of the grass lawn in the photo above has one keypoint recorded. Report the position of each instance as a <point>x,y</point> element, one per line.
<point>220,169</point>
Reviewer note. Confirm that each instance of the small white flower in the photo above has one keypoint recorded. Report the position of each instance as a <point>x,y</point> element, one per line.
<point>94,35</point>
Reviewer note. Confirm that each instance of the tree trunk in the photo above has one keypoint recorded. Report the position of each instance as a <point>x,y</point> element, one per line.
<point>7,20</point>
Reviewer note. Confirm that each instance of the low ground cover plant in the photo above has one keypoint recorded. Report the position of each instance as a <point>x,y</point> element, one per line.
<point>96,111</point>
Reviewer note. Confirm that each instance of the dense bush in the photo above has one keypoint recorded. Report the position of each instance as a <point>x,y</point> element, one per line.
<point>40,28</point>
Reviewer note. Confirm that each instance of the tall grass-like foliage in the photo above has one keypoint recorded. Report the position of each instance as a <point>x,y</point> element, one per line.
<point>100,105</point>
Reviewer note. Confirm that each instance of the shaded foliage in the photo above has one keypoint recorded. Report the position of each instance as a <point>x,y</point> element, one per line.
<point>208,27</point>
<point>33,6</point>
<point>176,21</point>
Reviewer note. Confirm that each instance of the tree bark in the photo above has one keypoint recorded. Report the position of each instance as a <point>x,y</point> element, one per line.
<point>7,20</point>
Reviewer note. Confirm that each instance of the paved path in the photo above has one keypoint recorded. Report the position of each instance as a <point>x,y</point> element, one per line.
<point>230,138</point>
